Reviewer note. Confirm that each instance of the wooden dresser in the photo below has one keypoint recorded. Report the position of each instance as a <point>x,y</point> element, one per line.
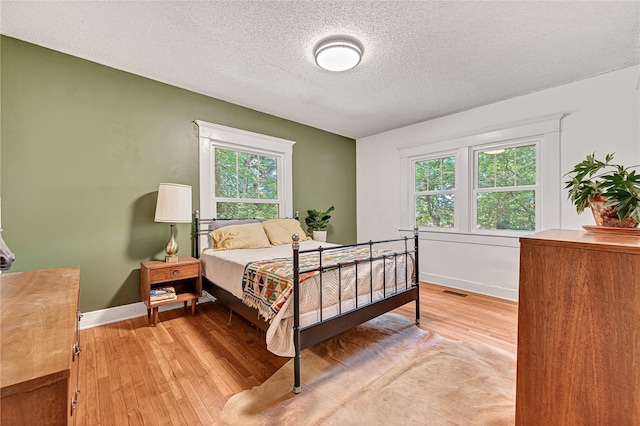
<point>578,330</point>
<point>40,346</point>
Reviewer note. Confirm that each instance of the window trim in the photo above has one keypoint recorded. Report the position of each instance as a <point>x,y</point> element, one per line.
<point>545,128</point>
<point>211,136</point>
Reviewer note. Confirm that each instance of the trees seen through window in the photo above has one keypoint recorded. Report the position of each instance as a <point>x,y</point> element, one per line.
<point>246,185</point>
<point>505,188</point>
<point>435,182</point>
<point>502,196</point>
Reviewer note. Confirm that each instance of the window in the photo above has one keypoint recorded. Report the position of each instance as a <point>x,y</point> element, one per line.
<point>487,186</point>
<point>505,188</point>
<point>243,174</point>
<point>434,191</point>
<point>246,184</point>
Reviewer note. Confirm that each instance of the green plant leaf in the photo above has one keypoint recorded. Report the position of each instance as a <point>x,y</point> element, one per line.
<point>318,220</point>
<point>621,185</point>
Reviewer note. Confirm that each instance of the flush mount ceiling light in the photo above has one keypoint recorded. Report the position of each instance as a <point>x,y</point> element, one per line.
<point>338,55</point>
<point>495,151</point>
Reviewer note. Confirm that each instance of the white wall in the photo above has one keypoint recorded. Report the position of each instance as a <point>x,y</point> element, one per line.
<point>604,116</point>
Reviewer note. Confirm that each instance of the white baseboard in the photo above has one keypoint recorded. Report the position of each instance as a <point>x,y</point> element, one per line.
<point>125,312</point>
<point>476,287</point>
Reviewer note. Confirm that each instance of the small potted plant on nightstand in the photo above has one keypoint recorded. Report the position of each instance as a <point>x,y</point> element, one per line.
<point>612,191</point>
<point>317,222</point>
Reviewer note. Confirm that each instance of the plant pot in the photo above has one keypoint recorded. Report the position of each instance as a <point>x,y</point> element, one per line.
<point>320,236</point>
<point>607,216</point>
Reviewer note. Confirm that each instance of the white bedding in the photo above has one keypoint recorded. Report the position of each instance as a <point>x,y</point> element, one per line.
<point>226,269</point>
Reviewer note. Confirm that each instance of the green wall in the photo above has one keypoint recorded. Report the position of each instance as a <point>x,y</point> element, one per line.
<point>84,147</point>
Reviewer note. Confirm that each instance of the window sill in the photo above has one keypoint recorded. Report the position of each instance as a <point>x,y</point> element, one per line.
<point>500,240</point>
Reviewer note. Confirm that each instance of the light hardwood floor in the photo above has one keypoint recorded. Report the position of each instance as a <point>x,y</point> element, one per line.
<point>184,370</point>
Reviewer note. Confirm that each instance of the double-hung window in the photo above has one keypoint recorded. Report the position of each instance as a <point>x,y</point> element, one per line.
<point>244,174</point>
<point>434,187</point>
<point>246,184</point>
<point>500,182</point>
<point>505,187</point>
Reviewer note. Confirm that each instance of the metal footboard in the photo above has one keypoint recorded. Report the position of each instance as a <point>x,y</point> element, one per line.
<point>405,289</point>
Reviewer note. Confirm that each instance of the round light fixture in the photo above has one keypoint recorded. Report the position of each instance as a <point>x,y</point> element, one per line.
<point>338,55</point>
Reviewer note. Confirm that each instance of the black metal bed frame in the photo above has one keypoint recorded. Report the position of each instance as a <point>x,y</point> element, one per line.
<point>304,337</point>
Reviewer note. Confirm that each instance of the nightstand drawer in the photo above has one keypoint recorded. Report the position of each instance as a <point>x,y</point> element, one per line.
<point>174,273</point>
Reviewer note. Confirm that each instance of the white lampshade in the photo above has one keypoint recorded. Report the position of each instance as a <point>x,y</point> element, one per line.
<point>174,203</point>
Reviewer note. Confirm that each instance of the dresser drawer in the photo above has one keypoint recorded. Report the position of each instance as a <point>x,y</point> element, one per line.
<point>174,273</point>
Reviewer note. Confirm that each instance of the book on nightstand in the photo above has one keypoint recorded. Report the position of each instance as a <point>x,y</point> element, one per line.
<point>162,293</point>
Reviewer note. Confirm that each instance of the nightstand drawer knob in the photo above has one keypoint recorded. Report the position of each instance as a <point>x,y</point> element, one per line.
<point>175,272</point>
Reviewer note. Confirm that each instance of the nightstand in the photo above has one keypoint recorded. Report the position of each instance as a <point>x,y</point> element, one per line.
<point>185,276</point>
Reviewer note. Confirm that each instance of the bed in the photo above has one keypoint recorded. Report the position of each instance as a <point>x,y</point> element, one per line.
<point>300,291</point>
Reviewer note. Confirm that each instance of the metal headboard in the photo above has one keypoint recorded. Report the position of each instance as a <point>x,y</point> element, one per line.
<point>203,227</point>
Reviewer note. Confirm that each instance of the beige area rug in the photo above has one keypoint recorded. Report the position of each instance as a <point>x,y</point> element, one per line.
<point>385,372</point>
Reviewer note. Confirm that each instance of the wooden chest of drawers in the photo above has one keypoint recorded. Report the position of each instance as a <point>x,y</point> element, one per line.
<point>40,347</point>
<point>578,322</point>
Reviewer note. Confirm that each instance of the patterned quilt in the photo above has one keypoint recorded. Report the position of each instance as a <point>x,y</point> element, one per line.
<point>267,284</point>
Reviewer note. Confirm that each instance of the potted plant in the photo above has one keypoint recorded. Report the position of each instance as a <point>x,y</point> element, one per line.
<point>612,191</point>
<point>317,222</point>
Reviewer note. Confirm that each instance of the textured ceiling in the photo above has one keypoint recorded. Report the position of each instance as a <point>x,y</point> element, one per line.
<point>421,59</point>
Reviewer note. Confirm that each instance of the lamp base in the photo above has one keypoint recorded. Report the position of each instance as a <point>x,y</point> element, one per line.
<point>171,249</point>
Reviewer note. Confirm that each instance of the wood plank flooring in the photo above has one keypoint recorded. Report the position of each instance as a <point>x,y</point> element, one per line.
<point>475,318</point>
<point>185,369</point>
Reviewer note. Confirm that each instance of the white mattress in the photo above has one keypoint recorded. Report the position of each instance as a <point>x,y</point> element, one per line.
<point>226,269</point>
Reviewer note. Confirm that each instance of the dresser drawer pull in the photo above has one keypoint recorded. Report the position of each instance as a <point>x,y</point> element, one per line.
<point>175,272</point>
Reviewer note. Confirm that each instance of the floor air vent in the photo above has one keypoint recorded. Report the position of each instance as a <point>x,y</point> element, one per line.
<point>455,293</point>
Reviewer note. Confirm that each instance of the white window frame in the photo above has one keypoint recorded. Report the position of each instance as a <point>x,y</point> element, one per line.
<point>545,129</point>
<point>212,136</point>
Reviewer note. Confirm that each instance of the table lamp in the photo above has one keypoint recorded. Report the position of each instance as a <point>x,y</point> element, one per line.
<point>173,206</point>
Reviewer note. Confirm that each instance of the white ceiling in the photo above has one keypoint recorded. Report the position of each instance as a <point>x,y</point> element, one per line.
<point>421,59</point>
